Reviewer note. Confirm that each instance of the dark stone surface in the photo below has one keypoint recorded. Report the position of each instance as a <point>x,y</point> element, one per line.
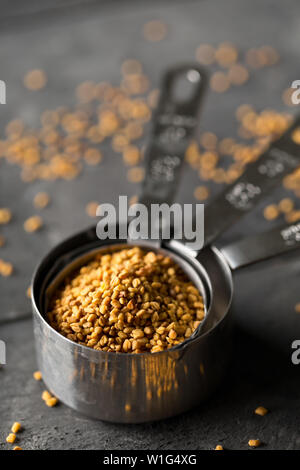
<point>90,42</point>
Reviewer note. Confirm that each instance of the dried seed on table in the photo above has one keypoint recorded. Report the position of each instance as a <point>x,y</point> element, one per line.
<point>33,224</point>
<point>261,411</point>
<point>37,375</point>
<point>254,443</point>
<point>5,216</point>
<point>35,79</point>
<point>16,427</point>
<point>11,438</point>
<point>41,200</point>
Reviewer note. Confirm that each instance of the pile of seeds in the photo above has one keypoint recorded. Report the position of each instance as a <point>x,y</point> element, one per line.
<point>128,301</point>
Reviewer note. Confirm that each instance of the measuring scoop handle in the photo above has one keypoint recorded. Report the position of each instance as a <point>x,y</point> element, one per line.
<point>262,246</point>
<point>173,125</point>
<point>260,177</point>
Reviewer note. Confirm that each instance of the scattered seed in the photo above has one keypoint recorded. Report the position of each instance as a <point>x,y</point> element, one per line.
<point>91,208</point>
<point>51,402</point>
<point>41,200</point>
<point>219,447</point>
<point>219,82</point>
<point>155,31</point>
<point>11,438</point>
<point>297,307</point>
<point>271,212</point>
<point>17,448</point>
<point>254,443</point>
<point>93,156</point>
<point>238,74</point>
<point>205,54</point>
<point>35,80</point>
<point>286,205</point>
<point>6,268</point>
<point>261,411</point>
<point>33,224</point>
<point>136,174</point>
<point>37,375</point>
<point>5,216</point>
<point>226,54</point>
<point>201,193</point>
<point>16,427</point>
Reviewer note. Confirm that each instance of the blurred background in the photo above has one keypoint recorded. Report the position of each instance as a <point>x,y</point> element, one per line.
<point>82,81</point>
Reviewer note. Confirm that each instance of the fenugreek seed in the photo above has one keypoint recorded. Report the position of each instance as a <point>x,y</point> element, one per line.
<point>5,216</point>
<point>46,395</point>
<point>17,448</point>
<point>172,334</point>
<point>16,427</point>
<point>37,375</point>
<point>91,208</point>
<point>254,443</point>
<point>41,200</point>
<point>219,447</point>
<point>35,80</point>
<point>271,212</point>
<point>51,401</point>
<point>126,301</point>
<point>11,438</point>
<point>137,333</point>
<point>261,411</point>
<point>33,224</point>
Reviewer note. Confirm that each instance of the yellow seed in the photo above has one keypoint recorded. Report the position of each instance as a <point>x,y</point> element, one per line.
<point>226,54</point>
<point>219,82</point>
<point>17,448</point>
<point>155,31</point>
<point>35,79</point>
<point>51,401</point>
<point>46,395</point>
<point>32,224</point>
<point>201,193</point>
<point>296,135</point>
<point>16,427</point>
<point>6,269</point>
<point>37,375</point>
<point>238,74</point>
<point>11,438</point>
<point>297,307</point>
<point>92,156</point>
<point>219,447</point>
<point>135,174</point>
<point>5,216</point>
<point>205,54</point>
<point>254,443</point>
<point>271,212</point>
<point>286,205</point>
<point>261,411</point>
<point>41,200</point>
<point>91,208</point>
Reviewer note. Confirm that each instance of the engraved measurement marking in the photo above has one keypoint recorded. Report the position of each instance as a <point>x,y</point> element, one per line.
<point>172,135</point>
<point>163,168</point>
<point>242,195</point>
<point>277,162</point>
<point>291,235</point>
<point>176,120</point>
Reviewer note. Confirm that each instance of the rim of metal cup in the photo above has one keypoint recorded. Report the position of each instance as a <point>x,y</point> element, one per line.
<point>192,262</point>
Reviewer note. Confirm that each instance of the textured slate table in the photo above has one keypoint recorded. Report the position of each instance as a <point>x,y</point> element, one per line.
<point>89,40</point>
